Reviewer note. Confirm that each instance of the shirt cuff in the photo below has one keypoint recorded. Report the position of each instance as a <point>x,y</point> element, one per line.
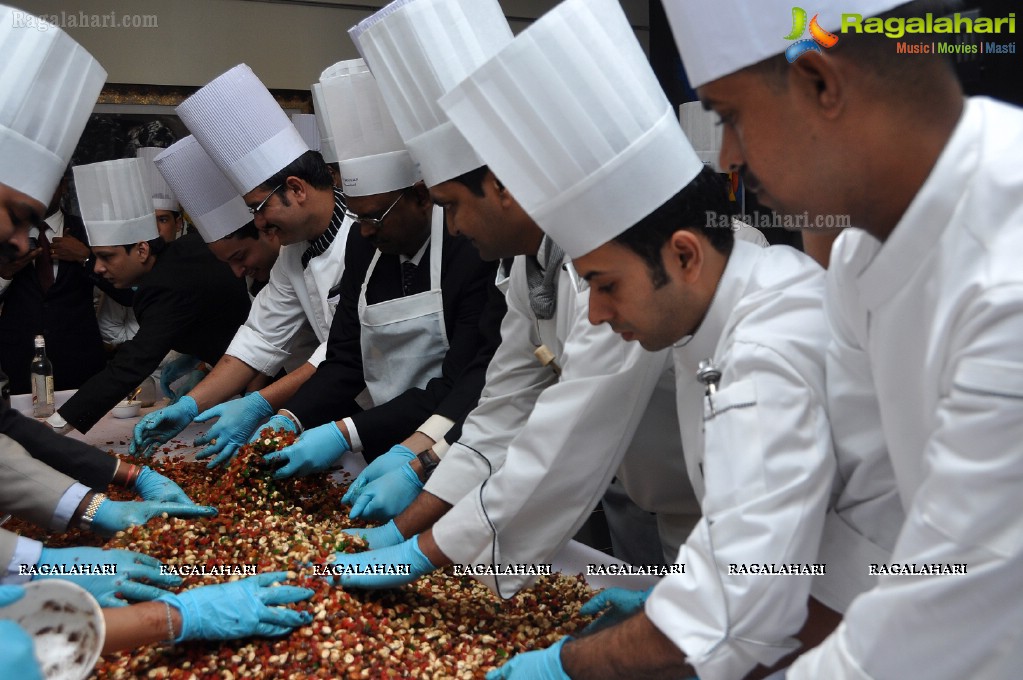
<point>440,448</point>
<point>27,552</point>
<point>4,283</point>
<point>436,427</point>
<point>67,505</point>
<point>353,435</point>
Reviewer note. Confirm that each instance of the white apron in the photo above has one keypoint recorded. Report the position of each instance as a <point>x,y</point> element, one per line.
<point>404,340</point>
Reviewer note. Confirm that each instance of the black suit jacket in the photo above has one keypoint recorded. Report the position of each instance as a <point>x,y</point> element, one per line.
<point>76,459</point>
<point>64,315</point>
<point>190,302</point>
<point>473,328</point>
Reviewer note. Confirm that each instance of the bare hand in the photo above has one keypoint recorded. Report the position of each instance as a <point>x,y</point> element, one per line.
<point>69,249</point>
<point>8,270</point>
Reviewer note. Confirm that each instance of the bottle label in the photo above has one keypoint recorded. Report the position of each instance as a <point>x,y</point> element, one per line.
<point>49,390</point>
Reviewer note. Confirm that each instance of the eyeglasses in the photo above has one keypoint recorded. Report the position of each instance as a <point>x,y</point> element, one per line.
<point>262,204</point>
<point>373,221</point>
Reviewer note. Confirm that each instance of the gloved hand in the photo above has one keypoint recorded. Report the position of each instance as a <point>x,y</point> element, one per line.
<point>387,496</point>
<point>152,486</point>
<point>542,664</point>
<point>619,604</point>
<point>239,609</point>
<point>18,652</point>
<point>378,537</point>
<point>10,595</point>
<point>238,418</point>
<point>113,516</point>
<point>173,370</point>
<point>392,460</point>
<point>188,383</point>
<point>402,555</point>
<point>278,422</point>
<point>314,451</point>
<point>129,568</point>
<point>159,426</point>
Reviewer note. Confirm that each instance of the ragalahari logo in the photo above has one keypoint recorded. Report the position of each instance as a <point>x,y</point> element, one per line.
<point>818,36</point>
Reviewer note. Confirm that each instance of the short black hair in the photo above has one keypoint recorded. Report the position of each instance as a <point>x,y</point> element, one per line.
<point>156,246</point>
<point>698,207</point>
<point>309,167</point>
<point>248,230</point>
<point>473,180</point>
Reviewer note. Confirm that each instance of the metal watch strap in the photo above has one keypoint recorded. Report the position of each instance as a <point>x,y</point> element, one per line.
<point>90,510</point>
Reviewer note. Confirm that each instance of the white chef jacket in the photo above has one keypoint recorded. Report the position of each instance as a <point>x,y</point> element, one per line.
<point>565,439</point>
<point>760,458</point>
<point>942,326</point>
<point>292,296</point>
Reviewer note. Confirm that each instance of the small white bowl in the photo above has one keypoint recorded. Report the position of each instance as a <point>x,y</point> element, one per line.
<point>126,409</point>
<point>66,625</point>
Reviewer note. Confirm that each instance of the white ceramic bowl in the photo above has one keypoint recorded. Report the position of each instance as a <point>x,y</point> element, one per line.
<point>126,409</point>
<point>66,624</point>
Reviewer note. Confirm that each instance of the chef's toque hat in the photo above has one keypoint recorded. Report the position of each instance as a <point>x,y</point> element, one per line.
<point>116,206</point>
<point>570,117</point>
<point>48,87</point>
<point>242,128</point>
<point>307,126</point>
<point>373,158</point>
<point>213,204</point>
<point>418,50</point>
<point>324,104</point>
<point>703,132</point>
<point>161,192</point>
<point>719,37</point>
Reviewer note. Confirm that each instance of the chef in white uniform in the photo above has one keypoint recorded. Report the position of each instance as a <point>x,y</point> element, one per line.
<point>745,325</point>
<point>289,190</point>
<point>538,452</point>
<point>925,302</point>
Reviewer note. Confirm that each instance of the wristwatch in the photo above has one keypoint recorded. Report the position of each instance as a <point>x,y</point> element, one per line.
<point>428,462</point>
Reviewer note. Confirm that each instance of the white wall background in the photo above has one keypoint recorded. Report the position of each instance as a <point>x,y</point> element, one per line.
<point>286,42</point>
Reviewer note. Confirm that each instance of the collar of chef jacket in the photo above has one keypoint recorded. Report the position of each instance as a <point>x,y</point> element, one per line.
<point>929,214</point>
<point>321,243</point>
<point>704,342</point>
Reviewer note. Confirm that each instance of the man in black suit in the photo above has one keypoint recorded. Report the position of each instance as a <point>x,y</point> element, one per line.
<point>390,304</point>
<point>48,293</point>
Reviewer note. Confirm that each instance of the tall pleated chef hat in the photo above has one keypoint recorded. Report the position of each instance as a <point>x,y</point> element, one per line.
<point>161,192</point>
<point>324,104</point>
<point>719,37</point>
<point>212,202</point>
<point>703,132</point>
<point>48,87</point>
<point>116,206</point>
<point>307,126</point>
<point>242,128</point>
<point>418,50</point>
<point>570,117</point>
<point>371,154</point>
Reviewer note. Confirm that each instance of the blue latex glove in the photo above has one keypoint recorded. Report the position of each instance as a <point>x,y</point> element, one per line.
<point>388,496</point>
<point>278,422</point>
<point>188,383</point>
<point>378,537</point>
<point>239,609</point>
<point>314,451</point>
<point>392,460</point>
<point>173,370</point>
<point>130,567</point>
<point>542,664</point>
<point>114,516</point>
<point>403,555</point>
<point>159,426</point>
<point>152,486</point>
<point>10,595</point>
<point>18,652</point>
<point>238,419</point>
<point>617,604</point>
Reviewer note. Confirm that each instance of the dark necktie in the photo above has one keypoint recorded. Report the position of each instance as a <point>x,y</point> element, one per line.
<point>44,263</point>
<point>408,275</point>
